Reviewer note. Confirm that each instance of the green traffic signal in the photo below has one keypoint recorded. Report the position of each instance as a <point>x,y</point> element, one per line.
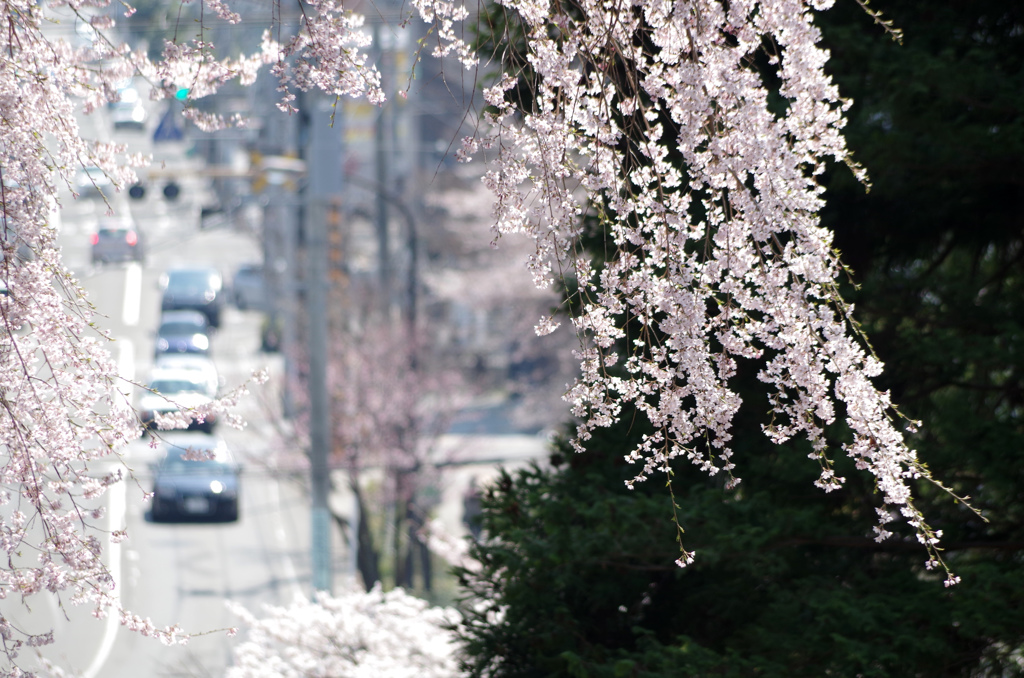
<point>181,94</point>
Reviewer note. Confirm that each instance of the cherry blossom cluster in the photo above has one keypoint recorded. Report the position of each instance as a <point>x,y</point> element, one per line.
<point>354,634</point>
<point>61,406</point>
<point>693,133</point>
<point>65,416</point>
<point>327,55</point>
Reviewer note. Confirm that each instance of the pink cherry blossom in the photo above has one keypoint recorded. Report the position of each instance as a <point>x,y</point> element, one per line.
<point>647,115</point>
<point>653,118</point>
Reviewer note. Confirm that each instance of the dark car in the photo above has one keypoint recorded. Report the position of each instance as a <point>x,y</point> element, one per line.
<point>203,489</point>
<point>196,289</point>
<point>183,332</point>
<point>117,240</point>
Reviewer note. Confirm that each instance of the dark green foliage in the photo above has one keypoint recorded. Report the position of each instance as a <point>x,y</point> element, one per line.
<point>939,242</point>
<point>788,581</point>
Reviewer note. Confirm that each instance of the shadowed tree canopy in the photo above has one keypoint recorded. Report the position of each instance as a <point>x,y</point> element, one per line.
<point>789,581</point>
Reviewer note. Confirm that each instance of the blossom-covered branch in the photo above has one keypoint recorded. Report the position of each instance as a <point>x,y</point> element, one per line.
<point>692,133</point>
<point>64,411</point>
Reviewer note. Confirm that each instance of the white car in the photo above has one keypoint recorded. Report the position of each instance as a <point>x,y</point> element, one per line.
<point>128,110</point>
<point>200,367</point>
<point>172,389</point>
<point>92,182</point>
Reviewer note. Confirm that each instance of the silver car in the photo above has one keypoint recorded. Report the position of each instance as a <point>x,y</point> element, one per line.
<point>117,240</point>
<point>92,182</point>
<point>249,288</point>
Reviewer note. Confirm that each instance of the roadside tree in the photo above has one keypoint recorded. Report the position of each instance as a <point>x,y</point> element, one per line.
<point>692,135</point>
<point>355,634</point>
<point>785,586</point>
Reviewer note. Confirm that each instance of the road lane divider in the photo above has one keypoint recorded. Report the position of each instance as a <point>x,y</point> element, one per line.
<point>132,294</point>
<point>291,576</point>
<point>117,507</point>
<point>116,510</point>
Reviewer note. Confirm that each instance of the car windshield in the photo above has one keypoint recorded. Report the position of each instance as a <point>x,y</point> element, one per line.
<point>177,279</point>
<point>168,386</point>
<point>93,175</point>
<point>180,328</point>
<point>177,466</point>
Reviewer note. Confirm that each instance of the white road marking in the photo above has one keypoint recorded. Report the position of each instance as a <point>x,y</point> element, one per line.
<point>115,515</point>
<point>279,533</point>
<point>132,294</point>
<point>117,493</point>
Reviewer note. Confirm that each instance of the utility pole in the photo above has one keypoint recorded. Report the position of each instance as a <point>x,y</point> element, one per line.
<point>319,396</point>
<point>381,158</point>
<point>323,155</point>
<point>279,226</point>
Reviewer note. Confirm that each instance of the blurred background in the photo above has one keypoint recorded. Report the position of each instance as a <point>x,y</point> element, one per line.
<point>342,249</point>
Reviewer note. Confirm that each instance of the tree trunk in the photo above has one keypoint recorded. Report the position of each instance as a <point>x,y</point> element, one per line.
<point>403,561</point>
<point>367,556</point>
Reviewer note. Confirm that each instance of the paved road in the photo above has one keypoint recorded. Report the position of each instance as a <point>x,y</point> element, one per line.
<point>182,573</point>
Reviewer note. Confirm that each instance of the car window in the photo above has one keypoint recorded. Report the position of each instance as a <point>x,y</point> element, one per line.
<point>169,386</point>
<point>176,465</point>
<point>191,279</point>
<point>180,328</point>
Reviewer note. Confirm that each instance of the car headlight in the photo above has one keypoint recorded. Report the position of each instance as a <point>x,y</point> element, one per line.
<point>216,486</point>
<point>162,344</point>
<point>200,341</point>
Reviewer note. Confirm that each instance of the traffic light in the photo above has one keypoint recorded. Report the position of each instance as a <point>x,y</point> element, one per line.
<point>181,94</point>
<point>171,190</point>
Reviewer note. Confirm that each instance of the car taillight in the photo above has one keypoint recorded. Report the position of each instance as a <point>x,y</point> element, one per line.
<point>95,239</point>
<point>131,237</point>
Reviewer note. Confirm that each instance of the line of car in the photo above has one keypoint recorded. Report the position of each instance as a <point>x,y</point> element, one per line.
<point>184,376</point>
<point>196,477</point>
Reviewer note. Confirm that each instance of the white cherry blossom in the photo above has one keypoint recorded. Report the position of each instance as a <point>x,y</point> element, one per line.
<point>64,414</point>
<point>693,132</point>
<point>654,117</point>
<point>358,634</point>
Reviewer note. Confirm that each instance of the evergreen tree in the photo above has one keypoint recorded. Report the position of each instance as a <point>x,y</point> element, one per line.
<point>578,574</point>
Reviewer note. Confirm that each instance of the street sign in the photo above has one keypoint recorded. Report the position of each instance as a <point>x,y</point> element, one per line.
<point>168,129</point>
